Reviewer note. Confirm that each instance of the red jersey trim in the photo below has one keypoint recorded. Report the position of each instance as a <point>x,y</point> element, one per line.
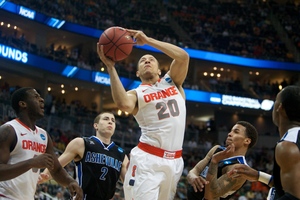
<point>18,120</point>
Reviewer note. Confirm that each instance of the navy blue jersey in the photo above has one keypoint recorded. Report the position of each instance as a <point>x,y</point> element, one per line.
<point>292,135</point>
<point>99,170</point>
<point>192,195</point>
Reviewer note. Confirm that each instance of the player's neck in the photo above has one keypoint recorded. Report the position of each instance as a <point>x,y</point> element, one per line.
<point>150,81</point>
<point>104,140</point>
<point>239,152</point>
<point>30,123</point>
<point>27,122</point>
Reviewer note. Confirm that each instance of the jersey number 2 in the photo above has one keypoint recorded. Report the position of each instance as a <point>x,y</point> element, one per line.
<point>104,171</point>
<point>165,109</point>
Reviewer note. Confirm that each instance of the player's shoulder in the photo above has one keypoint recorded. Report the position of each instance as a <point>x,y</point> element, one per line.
<point>167,78</point>
<point>6,130</point>
<point>6,126</point>
<point>77,141</point>
<point>286,148</point>
<point>119,149</point>
<point>40,129</point>
<point>133,91</point>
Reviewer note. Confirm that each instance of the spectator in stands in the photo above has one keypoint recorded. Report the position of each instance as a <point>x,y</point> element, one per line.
<point>100,162</point>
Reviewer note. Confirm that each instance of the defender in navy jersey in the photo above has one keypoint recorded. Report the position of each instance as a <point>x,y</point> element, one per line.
<point>286,176</point>
<point>208,178</point>
<point>158,105</point>
<point>100,163</point>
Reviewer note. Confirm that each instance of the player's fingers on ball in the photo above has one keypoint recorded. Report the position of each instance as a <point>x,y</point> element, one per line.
<point>130,30</point>
<point>101,49</point>
<point>98,48</point>
<point>134,41</point>
<point>136,35</point>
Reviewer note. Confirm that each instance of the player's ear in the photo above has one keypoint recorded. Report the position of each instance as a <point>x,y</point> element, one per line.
<point>96,126</point>
<point>22,104</point>
<point>248,141</point>
<point>279,107</point>
<point>159,72</point>
<point>137,74</point>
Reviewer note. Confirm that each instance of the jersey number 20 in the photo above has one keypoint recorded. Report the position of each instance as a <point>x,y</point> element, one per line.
<point>165,109</point>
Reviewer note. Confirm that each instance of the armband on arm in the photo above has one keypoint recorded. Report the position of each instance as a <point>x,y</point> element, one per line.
<point>264,177</point>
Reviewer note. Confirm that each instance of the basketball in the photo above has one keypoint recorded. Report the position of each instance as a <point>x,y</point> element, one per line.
<point>117,43</point>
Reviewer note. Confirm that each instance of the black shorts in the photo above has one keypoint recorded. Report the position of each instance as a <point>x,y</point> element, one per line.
<point>288,196</point>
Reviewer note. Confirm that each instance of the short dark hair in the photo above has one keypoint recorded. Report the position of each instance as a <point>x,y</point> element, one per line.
<point>251,132</point>
<point>96,120</point>
<point>17,96</point>
<point>290,100</point>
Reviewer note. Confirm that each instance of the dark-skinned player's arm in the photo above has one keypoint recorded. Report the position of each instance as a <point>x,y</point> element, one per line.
<point>287,156</point>
<point>60,175</point>
<point>8,140</point>
<point>245,171</point>
<point>124,168</point>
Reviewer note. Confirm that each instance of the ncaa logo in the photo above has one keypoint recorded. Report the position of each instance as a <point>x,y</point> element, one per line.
<point>168,79</point>
<point>43,137</point>
<point>120,149</point>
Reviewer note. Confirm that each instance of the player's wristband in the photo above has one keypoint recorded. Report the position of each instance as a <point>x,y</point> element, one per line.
<point>264,177</point>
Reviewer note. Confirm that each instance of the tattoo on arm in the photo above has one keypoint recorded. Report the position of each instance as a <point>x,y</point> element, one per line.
<point>212,176</point>
<point>222,185</point>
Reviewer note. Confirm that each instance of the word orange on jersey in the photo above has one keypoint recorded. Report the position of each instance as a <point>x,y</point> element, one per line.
<point>171,91</point>
<point>34,146</point>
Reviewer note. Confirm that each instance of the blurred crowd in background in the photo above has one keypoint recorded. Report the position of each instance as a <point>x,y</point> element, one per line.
<point>254,29</point>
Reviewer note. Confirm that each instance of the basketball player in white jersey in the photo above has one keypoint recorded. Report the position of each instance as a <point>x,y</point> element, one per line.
<point>158,106</point>
<point>26,148</point>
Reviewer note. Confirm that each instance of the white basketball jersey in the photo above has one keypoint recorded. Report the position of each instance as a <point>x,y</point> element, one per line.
<point>162,114</point>
<point>29,144</point>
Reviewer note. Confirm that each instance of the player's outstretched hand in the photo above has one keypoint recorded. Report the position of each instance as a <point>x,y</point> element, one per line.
<point>75,190</point>
<point>241,170</point>
<point>197,182</point>
<point>42,161</point>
